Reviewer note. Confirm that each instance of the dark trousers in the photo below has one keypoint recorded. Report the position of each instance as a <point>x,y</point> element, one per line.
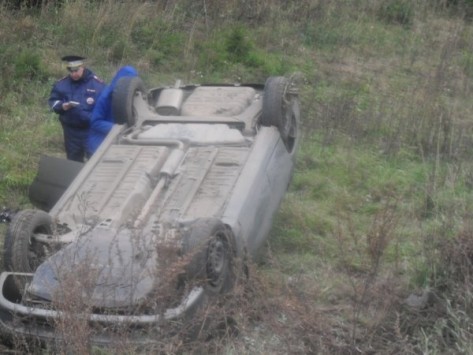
<point>75,143</point>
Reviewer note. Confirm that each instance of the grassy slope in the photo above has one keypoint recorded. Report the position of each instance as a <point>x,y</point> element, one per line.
<point>384,174</point>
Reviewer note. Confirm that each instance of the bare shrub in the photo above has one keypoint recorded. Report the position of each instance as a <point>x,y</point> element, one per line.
<point>457,258</point>
<point>373,292</point>
<point>72,301</point>
<point>441,322</point>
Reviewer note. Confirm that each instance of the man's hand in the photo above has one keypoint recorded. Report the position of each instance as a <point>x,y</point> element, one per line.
<point>70,104</point>
<point>66,106</point>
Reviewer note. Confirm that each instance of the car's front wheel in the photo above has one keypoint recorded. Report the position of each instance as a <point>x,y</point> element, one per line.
<point>209,247</point>
<point>22,252</point>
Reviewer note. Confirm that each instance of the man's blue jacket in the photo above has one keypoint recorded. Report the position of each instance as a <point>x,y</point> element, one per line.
<point>102,116</point>
<point>76,121</point>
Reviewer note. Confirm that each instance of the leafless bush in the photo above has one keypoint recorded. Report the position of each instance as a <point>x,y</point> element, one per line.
<point>441,322</point>
<point>455,268</point>
<point>72,301</point>
<point>373,292</point>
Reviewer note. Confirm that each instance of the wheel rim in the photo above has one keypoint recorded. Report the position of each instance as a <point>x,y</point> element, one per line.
<point>216,261</point>
<point>286,121</point>
<point>132,118</point>
<point>36,250</point>
<point>289,125</point>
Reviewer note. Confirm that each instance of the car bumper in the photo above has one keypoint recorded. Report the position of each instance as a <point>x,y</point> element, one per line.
<point>17,319</point>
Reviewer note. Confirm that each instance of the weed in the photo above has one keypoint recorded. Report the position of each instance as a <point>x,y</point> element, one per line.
<point>397,11</point>
<point>27,66</point>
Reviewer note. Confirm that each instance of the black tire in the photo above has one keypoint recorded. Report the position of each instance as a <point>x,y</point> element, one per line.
<point>281,109</point>
<point>22,253</point>
<point>210,249</point>
<point>122,99</point>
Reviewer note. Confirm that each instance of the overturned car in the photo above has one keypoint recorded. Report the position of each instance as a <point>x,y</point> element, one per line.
<point>163,216</point>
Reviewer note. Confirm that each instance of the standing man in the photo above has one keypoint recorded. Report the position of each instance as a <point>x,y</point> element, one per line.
<point>73,98</point>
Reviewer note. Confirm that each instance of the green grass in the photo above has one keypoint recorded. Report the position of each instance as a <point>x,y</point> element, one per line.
<point>384,174</point>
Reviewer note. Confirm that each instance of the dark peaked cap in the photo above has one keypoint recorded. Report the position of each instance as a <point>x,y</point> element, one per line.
<point>73,61</point>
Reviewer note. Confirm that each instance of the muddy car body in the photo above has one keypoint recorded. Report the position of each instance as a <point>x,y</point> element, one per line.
<point>190,176</point>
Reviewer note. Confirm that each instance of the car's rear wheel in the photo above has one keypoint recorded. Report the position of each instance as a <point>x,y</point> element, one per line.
<point>122,100</point>
<point>209,247</point>
<point>281,109</point>
<point>22,252</point>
